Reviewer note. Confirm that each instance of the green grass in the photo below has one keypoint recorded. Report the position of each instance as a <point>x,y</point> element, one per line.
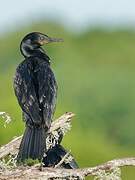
<point>95,73</point>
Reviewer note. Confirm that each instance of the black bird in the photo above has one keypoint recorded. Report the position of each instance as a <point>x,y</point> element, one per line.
<point>36,90</point>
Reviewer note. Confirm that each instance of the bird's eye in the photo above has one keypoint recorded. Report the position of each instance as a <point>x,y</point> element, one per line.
<point>41,38</point>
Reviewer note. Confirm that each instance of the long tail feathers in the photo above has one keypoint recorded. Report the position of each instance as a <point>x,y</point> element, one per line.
<point>33,144</point>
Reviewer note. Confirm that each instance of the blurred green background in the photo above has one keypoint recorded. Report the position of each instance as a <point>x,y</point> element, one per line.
<point>95,71</point>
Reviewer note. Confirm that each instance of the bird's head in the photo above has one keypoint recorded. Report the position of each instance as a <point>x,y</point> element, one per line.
<point>33,41</point>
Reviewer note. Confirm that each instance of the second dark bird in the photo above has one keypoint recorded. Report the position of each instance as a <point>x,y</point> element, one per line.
<point>36,90</point>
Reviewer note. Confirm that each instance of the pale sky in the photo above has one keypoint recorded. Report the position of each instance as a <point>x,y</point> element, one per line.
<point>73,13</point>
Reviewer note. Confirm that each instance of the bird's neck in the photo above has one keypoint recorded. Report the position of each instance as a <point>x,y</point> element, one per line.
<point>28,51</point>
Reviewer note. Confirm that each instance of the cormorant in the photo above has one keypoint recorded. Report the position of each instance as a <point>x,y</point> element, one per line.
<point>36,90</point>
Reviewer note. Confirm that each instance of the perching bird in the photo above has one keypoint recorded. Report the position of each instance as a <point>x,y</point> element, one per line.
<point>36,90</point>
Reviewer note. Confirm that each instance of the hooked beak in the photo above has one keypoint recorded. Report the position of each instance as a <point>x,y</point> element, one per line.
<point>47,40</point>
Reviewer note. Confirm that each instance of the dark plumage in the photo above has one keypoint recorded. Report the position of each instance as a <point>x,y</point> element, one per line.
<point>36,90</point>
<point>55,155</point>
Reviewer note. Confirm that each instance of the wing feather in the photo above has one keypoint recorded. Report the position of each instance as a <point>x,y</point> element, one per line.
<point>25,92</point>
<point>47,92</point>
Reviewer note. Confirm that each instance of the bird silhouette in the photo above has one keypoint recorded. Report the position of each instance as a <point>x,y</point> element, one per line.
<point>36,91</point>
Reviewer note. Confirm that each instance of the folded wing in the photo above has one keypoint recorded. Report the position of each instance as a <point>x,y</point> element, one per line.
<point>47,92</point>
<point>25,93</point>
